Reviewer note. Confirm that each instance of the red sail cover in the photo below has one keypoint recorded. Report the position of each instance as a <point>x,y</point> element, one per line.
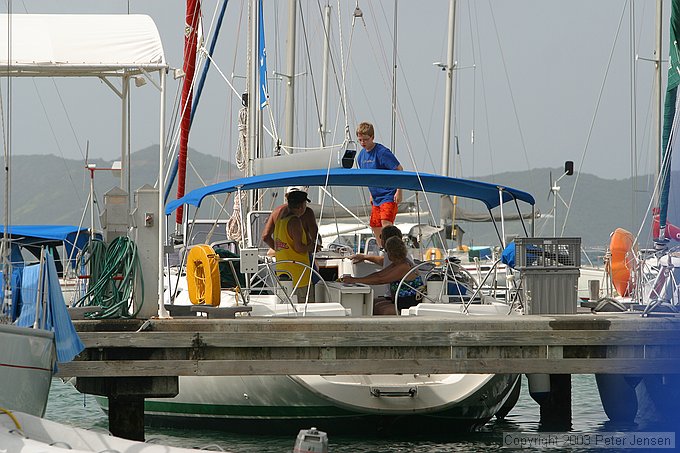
<point>193,15</point>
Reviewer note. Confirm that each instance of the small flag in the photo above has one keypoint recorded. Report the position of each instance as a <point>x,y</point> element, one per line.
<point>264,90</point>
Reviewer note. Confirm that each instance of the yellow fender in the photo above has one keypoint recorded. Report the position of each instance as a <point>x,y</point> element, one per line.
<point>203,276</point>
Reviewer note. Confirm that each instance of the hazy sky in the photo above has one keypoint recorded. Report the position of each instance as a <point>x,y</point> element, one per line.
<point>529,79</point>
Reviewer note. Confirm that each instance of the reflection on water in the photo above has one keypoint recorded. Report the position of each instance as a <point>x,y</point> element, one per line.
<point>66,405</point>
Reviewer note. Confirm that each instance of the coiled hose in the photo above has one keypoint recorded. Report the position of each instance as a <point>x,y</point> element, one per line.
<point>113,272</point>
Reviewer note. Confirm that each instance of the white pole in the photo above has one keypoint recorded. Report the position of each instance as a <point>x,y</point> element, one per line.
<point>124,164</point>
<point>394,81</point>
<point>290,87</point>
<point>448,98</point>
<point>324,80</point>
<point>161,211</point>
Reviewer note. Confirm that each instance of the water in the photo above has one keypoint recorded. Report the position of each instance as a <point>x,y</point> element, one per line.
<point>66,405</point>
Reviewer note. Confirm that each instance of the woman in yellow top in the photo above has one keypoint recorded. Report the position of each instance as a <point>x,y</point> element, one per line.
<point>291,244</point>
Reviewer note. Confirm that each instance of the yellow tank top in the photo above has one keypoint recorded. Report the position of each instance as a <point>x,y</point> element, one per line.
<point>284,251</point>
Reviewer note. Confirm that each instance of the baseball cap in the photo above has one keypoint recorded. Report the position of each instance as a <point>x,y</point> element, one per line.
<point>302,189</point>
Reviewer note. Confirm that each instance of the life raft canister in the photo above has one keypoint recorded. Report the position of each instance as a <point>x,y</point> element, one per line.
<point>622,261</point>
<point>203,276</point>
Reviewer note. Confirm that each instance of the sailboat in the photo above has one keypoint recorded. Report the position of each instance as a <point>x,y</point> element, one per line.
<point>647,282</point>
<point>35,329</point>
<point>422,402</point>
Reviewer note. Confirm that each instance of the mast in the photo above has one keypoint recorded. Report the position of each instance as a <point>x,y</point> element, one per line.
<point>190,44</point>
<point>324,79</point>
<point>253,88</point>
<point>658,116</point>
<point>290,87</point>
<point>394,80</point>
<point>448,98</point>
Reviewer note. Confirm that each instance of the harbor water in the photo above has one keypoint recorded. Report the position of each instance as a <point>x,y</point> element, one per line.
<point>66,405</point>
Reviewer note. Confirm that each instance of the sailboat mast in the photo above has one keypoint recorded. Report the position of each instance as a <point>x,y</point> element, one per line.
<point>324,80</point>
<point>448,98</point>
<point>394,81</point>
<point>658,117</point>
<point>253,88</point>
<point>193,12</point>
<point>290,87</point>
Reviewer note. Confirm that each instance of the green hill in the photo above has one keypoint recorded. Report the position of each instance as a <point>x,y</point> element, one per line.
<point>49,189</point>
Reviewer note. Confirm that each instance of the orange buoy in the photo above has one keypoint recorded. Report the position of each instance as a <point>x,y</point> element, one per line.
<point>203,276</point>
<point>622,261</point>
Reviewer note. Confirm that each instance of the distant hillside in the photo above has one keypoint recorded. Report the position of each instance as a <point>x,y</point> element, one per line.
<point>48,189</point>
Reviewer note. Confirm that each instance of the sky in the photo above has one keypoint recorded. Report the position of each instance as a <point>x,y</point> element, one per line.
<point>538,82</point>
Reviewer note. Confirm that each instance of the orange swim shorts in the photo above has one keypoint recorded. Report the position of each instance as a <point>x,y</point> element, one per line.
<point>386,211</point>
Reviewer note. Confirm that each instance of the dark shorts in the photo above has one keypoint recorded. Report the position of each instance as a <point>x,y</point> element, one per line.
<point>386,211</point>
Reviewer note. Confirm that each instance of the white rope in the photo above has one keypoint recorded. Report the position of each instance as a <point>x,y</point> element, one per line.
<point>234,230</point>
<point>242,152</point>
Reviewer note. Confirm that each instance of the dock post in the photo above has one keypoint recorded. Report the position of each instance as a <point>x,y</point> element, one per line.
<point>126,399</point>
<point>126,417</point>
<point>556,407</point>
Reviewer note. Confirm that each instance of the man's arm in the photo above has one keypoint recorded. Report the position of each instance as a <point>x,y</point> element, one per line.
<point>375,259</point>
<point>397,194</point>
<point>268,231</point>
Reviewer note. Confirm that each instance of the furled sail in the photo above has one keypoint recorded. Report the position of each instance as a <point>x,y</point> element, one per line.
<point>668,213</point>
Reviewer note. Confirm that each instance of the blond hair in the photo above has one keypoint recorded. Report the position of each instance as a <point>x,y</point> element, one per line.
<point>365,129</point>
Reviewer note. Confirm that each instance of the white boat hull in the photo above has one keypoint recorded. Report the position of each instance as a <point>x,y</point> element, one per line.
<point>26,361</point>
<point>20,432</point>
<point>463,402</point>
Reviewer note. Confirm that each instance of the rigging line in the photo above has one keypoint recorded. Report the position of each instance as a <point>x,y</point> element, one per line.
<point>633,114</point>
<point>484,99</point>
<point>342,89</point>
<point>381,47</point>
<point>314,148</point>
<point>343,101</point>
<point>512,96</point>
<point>592,122</point>
<point>219,71</point>
<point>327,38</point>
<point>56,141</point>
<point>311,72</point>
<point>662,174</point>
<point>68,118</point>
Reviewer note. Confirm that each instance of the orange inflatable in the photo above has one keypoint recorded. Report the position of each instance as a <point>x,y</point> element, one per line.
<point>622,261</point>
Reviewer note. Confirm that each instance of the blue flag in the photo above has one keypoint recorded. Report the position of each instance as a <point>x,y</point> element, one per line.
<point>264,91</point>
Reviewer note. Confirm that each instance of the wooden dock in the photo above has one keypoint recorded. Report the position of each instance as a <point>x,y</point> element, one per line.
<point>131,360</point>
<point>565,344</point>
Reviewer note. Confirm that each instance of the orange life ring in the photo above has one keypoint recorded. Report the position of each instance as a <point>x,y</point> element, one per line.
<point>622,261</point>
<point>203,276</point>
<point>432,254</point>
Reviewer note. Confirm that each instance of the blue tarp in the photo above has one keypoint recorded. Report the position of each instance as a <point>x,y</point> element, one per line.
<point>69,235</point>
<point>56,318</point>
<point>485,192</point>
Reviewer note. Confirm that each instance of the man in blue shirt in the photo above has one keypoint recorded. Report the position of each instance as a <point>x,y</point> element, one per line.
<point>384,201</point>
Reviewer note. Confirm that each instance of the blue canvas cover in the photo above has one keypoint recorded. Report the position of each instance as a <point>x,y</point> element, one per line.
<point>56,318</point>
<point>485,192</point>
<point>68,235</point>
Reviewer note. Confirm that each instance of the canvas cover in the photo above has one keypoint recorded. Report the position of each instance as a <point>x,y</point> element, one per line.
<point>485,192</point>
<point>79,44</point>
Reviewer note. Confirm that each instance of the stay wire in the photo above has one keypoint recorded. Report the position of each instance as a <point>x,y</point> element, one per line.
<point>592,122</point>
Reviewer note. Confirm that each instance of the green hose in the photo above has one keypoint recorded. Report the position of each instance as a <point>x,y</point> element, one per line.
<point>113,273</point>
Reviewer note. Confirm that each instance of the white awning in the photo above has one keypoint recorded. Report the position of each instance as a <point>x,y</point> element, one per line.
<point>49,45</point>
